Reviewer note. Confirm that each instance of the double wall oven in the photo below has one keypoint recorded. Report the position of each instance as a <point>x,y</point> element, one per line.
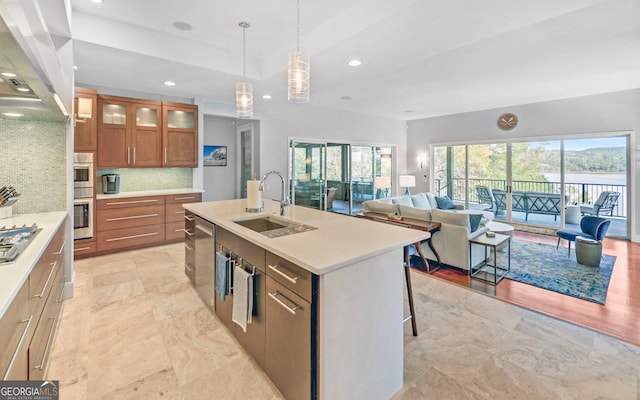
<point>83,177</point>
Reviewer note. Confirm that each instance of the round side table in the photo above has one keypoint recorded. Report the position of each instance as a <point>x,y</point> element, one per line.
<point>499,227</point>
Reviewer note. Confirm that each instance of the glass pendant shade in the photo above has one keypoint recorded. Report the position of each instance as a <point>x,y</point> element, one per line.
<point>298,78</point>
<point>244,99</point>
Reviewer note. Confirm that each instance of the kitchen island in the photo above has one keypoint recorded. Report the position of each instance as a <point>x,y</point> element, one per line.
<point>356,265</point>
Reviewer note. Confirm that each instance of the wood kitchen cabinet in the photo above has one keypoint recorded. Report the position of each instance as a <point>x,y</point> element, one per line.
<point>129,132</point>
<point>180,135</point>
<point>85,132</point>
<point>28,326</point>
<point>174,214</point>
<point>126,222</point>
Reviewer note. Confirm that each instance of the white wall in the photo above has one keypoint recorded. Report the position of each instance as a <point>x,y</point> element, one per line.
<point>611,112</point>
<point>219,183</point>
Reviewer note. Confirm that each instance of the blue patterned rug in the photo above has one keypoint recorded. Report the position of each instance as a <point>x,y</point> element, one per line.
<point>541,265</point>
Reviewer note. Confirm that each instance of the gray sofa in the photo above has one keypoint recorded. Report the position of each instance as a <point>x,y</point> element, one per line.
<point>452,240</point>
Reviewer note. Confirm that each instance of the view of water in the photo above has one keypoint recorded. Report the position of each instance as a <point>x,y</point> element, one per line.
<point>603,179</point>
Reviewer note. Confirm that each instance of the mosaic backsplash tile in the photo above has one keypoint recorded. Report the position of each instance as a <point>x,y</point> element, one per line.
<point>33,161</point>
<point>135,179</point>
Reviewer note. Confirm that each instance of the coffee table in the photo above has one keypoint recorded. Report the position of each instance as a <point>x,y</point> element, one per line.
<point>488,270</point>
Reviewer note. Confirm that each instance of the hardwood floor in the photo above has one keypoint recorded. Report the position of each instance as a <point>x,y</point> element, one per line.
<point>619,317</point>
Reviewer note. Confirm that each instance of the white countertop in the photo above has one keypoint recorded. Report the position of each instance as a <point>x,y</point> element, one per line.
<point>339,241</point>
<point>15,274</point>
<point>142,193</point>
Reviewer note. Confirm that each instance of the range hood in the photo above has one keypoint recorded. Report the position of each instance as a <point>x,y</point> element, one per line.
<point>24,93</point>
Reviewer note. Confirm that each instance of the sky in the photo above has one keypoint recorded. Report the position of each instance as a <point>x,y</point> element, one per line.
<point>581,144</point>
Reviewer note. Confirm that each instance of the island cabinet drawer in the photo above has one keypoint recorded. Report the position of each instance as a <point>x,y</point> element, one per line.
<point>184,198</point>
<point>174,213</point>
<point>248,251</point>
<point>15,326</point>
<point>124,202</point>
<point>292,276</point>
<point>129,237</point>
<point>130,217</point>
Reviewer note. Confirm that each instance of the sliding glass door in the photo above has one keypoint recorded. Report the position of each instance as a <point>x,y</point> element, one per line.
<point>525,181</point>
<point>338,177</point>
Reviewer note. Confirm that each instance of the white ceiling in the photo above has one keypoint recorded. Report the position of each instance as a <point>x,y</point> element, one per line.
<point>433,57</point>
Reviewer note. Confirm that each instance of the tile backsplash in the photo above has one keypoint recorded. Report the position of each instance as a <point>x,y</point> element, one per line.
<point>135,179</point>
<point>33,161</point>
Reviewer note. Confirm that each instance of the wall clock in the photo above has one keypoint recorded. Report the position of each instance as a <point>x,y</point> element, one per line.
<point>507,121</point>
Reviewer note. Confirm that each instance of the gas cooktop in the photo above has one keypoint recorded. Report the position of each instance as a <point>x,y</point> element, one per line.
<point>14,240</point>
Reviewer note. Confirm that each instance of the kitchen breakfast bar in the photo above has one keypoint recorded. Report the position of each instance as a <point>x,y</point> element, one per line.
<point>354,273</point>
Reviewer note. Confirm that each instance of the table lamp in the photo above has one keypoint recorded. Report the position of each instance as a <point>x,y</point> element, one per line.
<point>407,181</point>
<point>383,183</point>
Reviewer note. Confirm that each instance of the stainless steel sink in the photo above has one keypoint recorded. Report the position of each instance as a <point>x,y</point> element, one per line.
<point>273,227</point>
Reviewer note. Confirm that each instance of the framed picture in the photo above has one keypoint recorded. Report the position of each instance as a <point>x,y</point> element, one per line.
<point>214,156</point>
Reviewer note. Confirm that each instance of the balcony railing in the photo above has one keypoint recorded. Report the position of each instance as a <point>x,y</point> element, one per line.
<point>578,192</point>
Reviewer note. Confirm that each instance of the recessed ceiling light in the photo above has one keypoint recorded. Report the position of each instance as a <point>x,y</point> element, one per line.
<point>354,63</point>
<point>408,111</point>
<point>266,96</point>
<point>9,74</point>
<point>75,67</point>
<point>346,98</point>
<point>12,114</point>
<point>169,83</point>
<point>23,89</point>
<point>182,26</point>
<point>97,1</point>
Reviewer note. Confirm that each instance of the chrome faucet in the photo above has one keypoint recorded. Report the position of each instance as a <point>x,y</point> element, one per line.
<point>285,199</point>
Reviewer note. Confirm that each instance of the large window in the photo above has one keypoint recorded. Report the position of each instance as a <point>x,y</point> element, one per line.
<point>527,182</point>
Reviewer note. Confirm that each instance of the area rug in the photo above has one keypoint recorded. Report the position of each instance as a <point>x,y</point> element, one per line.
<point>543,266</point>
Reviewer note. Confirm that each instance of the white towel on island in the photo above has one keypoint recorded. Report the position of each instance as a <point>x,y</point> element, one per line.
<point>242,297</point>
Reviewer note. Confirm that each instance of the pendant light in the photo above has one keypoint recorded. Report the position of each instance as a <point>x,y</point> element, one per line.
<point>298,72</point>
<point>244,89</point>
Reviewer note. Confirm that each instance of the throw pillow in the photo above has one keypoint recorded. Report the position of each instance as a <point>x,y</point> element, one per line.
<point>445,203</point>
<point>420,201</point>
<point>404,200</point>
<point>474,221</point>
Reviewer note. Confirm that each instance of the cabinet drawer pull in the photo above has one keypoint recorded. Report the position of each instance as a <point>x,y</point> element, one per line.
<point>291,310</point>
<point>204,229</point>
<point>46,349</point>
<point>61,248</point>
<point>44,288</point>
<point>61,298</point>
<point>128,155</point>
<point>188,218</point>
<point>81,248</point>
<point>292,279</point>
<point>115,203</point>
<point>188,267</point>
<point>165,155</point>
<point>188,233</point>
<point>15,353</point>
<point>184,198</point>
<point>132,217</point>
<point>178,212</point>
<point>132,237</point>
<point>134,154</point>
<point>179,230</point>
<point>188,247</point>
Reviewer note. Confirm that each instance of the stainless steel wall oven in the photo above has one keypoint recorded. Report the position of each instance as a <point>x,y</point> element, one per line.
<point>83,178</point>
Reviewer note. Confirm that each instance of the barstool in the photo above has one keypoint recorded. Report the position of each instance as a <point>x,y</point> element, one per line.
<point>407,274</point>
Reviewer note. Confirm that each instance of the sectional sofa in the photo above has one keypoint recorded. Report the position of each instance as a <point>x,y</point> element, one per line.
<point>452,240</point>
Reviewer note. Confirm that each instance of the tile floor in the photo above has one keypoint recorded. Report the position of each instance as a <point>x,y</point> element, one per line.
<point>136,329</point>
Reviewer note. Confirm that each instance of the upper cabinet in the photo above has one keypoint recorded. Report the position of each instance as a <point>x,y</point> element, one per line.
<point>86,120</point>
<point>180,135</point>
<point>129,133</point>
<point>143,133</point>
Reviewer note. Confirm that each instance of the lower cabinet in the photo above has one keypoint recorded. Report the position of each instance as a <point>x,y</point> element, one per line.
<point>252,259</point>
<point>282,335</point>
<point>28,326</point>
<point>190,247</point>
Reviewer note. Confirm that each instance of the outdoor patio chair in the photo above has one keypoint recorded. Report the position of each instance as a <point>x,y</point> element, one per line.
<point>486,197</point>
<point>590,227</point>
<point>604,205</point>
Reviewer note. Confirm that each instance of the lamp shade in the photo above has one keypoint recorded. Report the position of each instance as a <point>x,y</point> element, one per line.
<point>407,181</point>
<point>382,182</point>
